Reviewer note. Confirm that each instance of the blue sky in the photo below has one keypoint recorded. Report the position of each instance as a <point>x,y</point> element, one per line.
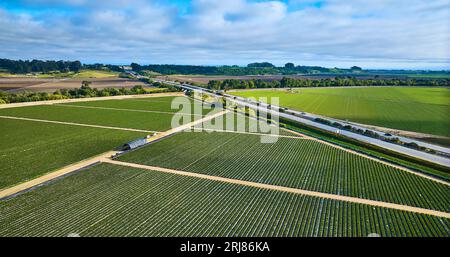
<point>410,34</point>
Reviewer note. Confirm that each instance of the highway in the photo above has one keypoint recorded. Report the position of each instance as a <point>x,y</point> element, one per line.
<point>311,117</point>
<point>308,119</point>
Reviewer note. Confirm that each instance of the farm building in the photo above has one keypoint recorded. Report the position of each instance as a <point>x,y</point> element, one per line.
<point>134,144</point>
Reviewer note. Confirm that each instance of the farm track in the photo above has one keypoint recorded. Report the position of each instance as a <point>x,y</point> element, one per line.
<point>53,175</point>
<point>78,124</point>
<point>286,189</point>
<point>302,164</point>
<point>112,200</point>
<point>302,136</point>
<point>85,163</point>
<point>104,158</point>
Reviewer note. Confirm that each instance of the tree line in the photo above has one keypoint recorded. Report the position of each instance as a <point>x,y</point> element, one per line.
<point>27,66</point>
<point>286,82</point>
<point>256,68</point>
<point>234,70</point>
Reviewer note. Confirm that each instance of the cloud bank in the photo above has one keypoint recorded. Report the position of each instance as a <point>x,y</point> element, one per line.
<point>372,34</point>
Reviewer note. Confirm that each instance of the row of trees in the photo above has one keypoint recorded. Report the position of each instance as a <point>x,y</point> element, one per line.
<point>99,66</point>
<point>27,66</point>
<point>251,69</point>
<point>257,68</point>
<point>336,82</point>
<point>260,65</point>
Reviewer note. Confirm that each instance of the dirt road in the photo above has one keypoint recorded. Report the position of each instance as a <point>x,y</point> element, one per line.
<point>8,192</point>
<point>286,189</point>
<point>61,172</point>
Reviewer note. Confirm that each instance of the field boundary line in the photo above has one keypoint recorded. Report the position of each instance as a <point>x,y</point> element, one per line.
<point>121,109</point>
<point>169,132</point>
<point>377,160</point>
<point>249,133</point>
<point>5,193</point>
<point>285,189</point>
<point>77,124</point>
<point>53,175</point>
<point>195,122</point>
<point>90,99</point>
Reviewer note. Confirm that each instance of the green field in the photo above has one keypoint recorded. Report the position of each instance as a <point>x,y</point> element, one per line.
<point>152,114</point>
<point>425,110</point>
<point>162,104</point>
<point>237,122</point>
<point>109,200</point>
<point>297,163</point>
<point>30,149</point>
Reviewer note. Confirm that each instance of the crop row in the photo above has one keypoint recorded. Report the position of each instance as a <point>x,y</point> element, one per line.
<point>297,163</point>
<point>135,118</point>
<point>236,121</point>
<point>30,149</point>
<point>109,200</point>
<point>163,104</point>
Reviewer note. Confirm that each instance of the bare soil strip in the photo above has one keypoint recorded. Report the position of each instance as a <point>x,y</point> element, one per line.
<point>75,100</point>
<point>121,109</point>
<point>77,124</point>
<point>61,172</point>
<point>286,189</point>
<point>377,160</point>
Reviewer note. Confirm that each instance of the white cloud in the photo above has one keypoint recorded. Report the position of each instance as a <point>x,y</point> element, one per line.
<point>411,33</point>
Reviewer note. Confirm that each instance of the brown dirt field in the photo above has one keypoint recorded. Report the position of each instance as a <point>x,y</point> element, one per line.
<point>50,85</point>
<point>17,83</point>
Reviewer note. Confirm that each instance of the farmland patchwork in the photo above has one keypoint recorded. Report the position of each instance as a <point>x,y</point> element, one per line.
<point>225,182</point>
